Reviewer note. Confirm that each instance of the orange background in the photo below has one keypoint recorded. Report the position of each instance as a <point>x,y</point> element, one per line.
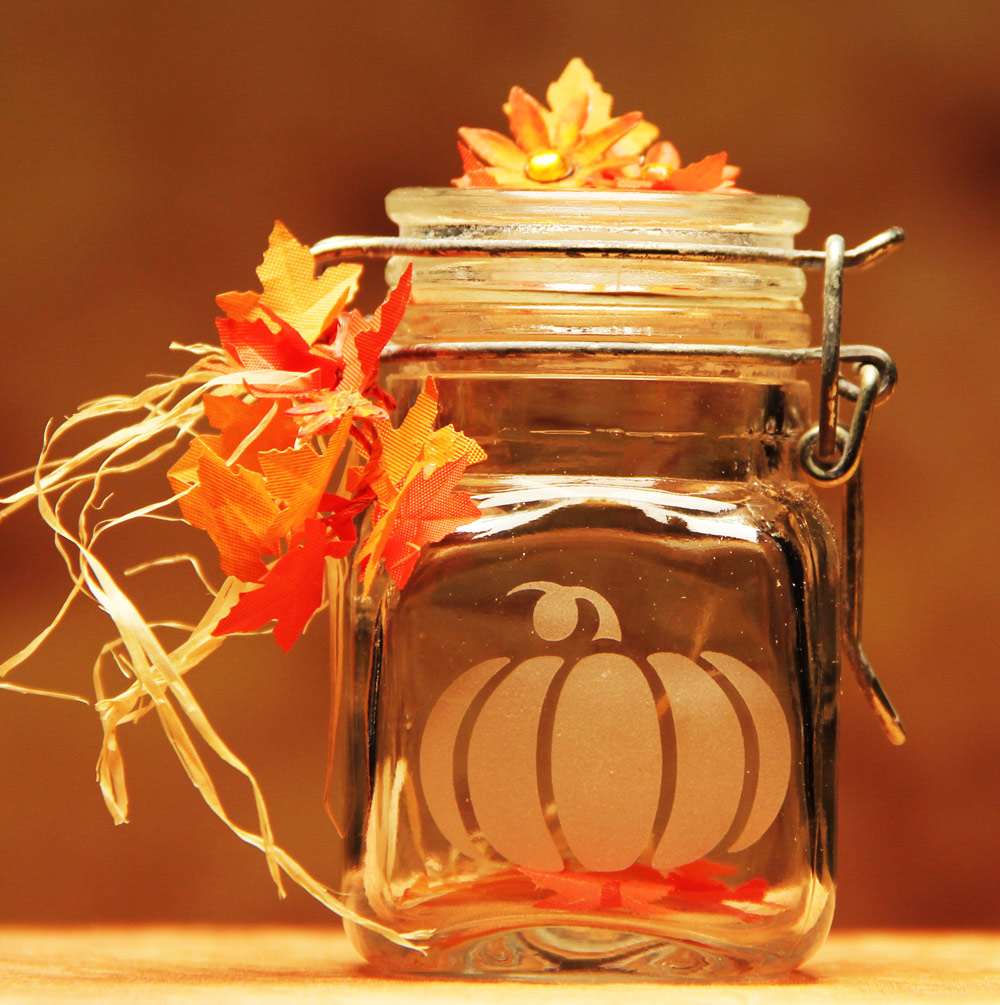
<point>146,151</point>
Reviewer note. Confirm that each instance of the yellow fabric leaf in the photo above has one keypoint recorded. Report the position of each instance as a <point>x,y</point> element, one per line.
<point>574,80</point>
<point>294,293</point>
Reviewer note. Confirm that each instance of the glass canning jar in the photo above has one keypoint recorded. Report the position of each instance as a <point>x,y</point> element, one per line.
<point>596,731</point>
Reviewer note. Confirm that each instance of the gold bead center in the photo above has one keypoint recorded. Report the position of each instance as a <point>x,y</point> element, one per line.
<point>547,165</point>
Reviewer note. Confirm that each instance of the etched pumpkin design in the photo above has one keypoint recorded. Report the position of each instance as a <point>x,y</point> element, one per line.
<point>605,760</point>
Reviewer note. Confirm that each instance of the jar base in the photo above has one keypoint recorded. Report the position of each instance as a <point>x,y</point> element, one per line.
<point>569,953</point>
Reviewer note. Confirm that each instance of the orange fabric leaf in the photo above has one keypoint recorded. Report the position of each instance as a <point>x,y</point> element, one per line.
<point>568,122</point>
<point>292,290</point>
<point>236,420</point>
<point>413,473</point>
<point>243,306</point>
<point>493,148</point>
<point>233,506</point>
<point>527,122</point>
<point>636,140</point>
<point>298,479</point>
<point>415,446</point>
<point>401,446</point>
<point>593,145</point>
<point>423,512</point>
<point>291,591</point>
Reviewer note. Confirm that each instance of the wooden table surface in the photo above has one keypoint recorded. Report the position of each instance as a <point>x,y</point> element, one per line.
<point>305,965</point>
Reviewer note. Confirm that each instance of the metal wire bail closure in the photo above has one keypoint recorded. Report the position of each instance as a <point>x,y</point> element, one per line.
<point>830,454</point>
<point>833,285</point>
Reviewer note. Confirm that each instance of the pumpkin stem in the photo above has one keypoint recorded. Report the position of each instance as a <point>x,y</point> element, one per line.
<point>556,613</point>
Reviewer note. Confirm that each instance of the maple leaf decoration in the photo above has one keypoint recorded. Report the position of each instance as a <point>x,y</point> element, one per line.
<point>292,292</point>
<point>292,590</point>
<point>642,890</point>
<point>661,170</point>
<point>362,341</point>
<point>576,143</point>
<point>414,481</point>
<point>260,489</point>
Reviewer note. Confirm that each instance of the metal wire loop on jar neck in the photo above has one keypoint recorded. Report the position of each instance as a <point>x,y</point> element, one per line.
<point>819,445</point>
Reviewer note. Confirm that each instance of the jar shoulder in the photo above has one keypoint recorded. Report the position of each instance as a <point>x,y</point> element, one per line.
<point>749,511</point>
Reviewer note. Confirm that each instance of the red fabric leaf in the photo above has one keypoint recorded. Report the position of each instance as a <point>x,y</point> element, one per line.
<point>370,335</point>
<point>643,890</point>
<point>290,592</point>
<point>362,341</point>
<point>474,171</point>
<point>700,176</point>
<point>428,512</point>
<point>256,347</point>
<point>424,512</point>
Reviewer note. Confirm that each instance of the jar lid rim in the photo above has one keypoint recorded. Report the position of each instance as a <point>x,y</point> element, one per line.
<point>730,211</point>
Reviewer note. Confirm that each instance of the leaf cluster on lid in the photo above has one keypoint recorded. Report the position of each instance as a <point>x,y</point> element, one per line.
<point>576,143</point>
<point>259,487</point>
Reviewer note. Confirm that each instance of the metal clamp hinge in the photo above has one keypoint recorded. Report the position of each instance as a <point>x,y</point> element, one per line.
<point>831,455</point>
